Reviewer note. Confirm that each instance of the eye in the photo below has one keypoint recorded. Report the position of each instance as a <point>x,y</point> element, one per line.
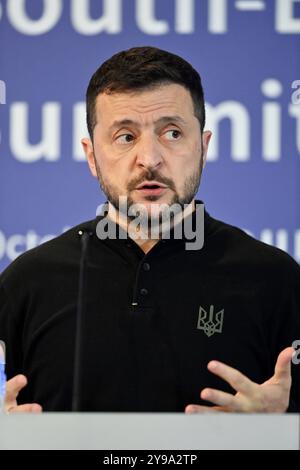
<point>173,134</point>
<point>125,139</point>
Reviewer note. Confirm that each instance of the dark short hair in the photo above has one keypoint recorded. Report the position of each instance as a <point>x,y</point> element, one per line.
<point>142,68</point>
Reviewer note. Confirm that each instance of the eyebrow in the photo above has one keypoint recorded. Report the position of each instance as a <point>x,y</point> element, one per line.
<point>161,121</point>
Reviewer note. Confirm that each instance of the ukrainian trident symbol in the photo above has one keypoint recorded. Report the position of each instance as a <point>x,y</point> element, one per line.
<point>210,322</point>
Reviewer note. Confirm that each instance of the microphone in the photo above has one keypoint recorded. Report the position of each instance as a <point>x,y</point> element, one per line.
<point>77,372</point>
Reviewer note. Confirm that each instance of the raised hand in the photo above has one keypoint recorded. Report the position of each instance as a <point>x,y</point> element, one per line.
<point>13,387</point>
<point>270,397</point>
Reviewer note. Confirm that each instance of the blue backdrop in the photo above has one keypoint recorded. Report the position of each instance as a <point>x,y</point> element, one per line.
<point>248,54</point>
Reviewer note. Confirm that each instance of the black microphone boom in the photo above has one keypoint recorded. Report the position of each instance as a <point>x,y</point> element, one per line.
<point>77,372</point>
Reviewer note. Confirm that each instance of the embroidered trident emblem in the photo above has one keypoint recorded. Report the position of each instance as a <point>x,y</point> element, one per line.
<point>211,325</point>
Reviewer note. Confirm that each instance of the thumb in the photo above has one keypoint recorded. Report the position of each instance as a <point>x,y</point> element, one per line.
<point>13,387</point>
<point>283,365</point>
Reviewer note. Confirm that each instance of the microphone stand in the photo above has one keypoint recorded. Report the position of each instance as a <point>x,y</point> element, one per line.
<point>77,373</point>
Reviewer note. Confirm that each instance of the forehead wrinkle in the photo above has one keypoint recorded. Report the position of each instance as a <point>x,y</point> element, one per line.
<point>145,108</point>
<point>157,122</point>
<point>138,116</point>
<point>137,107</point>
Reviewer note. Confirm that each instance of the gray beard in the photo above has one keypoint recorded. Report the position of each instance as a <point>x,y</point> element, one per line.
<point>191,186</point>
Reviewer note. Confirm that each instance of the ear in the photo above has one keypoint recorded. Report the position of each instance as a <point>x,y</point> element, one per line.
<point>88,149</point>
<point>206,136</point>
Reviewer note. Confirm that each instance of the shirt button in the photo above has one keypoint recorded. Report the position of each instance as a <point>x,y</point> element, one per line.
<point>146,267</point>
<point>144,291</point>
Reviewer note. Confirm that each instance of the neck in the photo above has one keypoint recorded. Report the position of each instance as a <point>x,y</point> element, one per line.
<point>140,236</point>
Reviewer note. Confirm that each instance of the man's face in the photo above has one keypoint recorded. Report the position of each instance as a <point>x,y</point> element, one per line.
<point>147,146</point>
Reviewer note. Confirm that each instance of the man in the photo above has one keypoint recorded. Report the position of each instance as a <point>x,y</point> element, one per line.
<point>164,328</point>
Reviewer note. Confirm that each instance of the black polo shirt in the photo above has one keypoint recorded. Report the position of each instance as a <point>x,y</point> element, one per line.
<point>151,321</point>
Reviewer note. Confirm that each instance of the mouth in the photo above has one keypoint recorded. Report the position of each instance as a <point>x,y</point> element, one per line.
<point>151,188</point>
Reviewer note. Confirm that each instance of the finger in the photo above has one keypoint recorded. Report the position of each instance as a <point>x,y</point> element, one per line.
<point>220,398</point>
<point>191,409</point>
<point>28,408</point>
<point>283,365</point>
<point>13,387</point>
<point>236,379</point>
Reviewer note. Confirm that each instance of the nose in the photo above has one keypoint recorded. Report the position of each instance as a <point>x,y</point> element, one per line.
<point>149,153</point>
